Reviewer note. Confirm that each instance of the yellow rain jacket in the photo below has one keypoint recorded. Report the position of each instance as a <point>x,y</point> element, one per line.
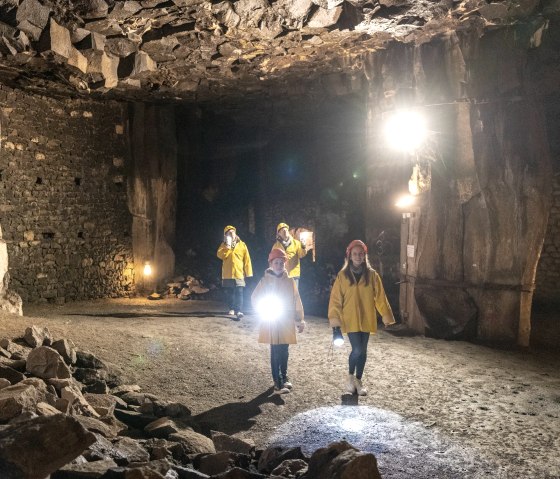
<point>283,329</point>
<point>294,252</point>
<point>236,262</point>
<point>352,307</point>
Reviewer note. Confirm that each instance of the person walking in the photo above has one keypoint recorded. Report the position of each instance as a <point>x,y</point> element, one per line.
<point>356,295</point>
<point>236,266</point>
<point>277,301</point>
<point>293,248</point>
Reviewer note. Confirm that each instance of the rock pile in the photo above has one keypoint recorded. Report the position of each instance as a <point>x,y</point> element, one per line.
<point>65,414</point>
<point>186,287</point>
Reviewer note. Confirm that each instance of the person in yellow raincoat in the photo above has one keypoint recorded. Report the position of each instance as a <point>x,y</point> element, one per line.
<point>356,295</point>
<point>236,266</point>
<point>276,299</point>
<point>294,249</point>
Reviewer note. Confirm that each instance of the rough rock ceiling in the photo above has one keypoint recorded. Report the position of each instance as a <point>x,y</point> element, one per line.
<point>200,49</point>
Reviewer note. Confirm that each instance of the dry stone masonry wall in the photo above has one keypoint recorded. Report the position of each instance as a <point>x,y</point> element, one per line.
<point>63,197</point>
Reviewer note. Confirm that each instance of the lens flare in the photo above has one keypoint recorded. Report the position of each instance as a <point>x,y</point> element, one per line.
<point>406,130</point>
<point>270,308</point>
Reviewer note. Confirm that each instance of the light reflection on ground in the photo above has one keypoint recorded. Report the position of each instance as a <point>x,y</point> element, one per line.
<point>404,449</point>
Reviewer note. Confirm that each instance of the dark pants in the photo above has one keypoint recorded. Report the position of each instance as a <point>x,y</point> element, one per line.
<point>358,356</point>
<point>279,363</point>
<point>235,298</point>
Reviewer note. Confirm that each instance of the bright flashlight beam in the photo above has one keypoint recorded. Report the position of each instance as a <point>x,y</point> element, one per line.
<point>405,201</point>
<point>269,308</point>
<point>338,342</point>
<point>406,130</point>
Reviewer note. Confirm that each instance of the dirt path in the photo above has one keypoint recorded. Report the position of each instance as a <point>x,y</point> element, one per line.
<point>453,409</point>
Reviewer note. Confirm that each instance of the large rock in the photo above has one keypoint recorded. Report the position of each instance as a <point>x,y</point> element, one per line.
<point>340,460</point>
<point>40,446</point>
<point>37,336</point>
<point>16,399</point>
<point>274,456</point>
<point>11,374</point>
<point>224,442</point>
<point>45,363</point>
<point>66,349</point>
<point>9,300</point>
<point>17,351</point>
<point>193,442</point>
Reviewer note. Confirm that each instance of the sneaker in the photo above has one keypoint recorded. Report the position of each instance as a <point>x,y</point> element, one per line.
<point>282,390</point>
<point>350,385</point>
<point>360,389</point>
<point>287,385</point>
<point>240,315</point>
<point>231,312</point>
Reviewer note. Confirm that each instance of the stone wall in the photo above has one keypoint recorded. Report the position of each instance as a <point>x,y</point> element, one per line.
<point>548,272</point>
<point>63,206</point>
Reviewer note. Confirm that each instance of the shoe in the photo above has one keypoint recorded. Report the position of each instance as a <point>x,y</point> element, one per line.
<point>240,315</point>
<point>282,390</point>
<point>350,384</point>
<point>231,312</point>
<point>287,385</point>
<point>360,389</point>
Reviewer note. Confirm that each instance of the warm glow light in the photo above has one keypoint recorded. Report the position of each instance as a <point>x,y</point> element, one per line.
<point>270,308</point>
<point>147,269</point>
<point>405,201</point>
<point>406,130</point>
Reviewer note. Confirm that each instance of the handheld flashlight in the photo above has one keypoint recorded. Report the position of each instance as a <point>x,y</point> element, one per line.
<point>269,308</point>
<point>338,339</point>
<point>228,240</point>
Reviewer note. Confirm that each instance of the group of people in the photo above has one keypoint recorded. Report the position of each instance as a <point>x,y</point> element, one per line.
<point>356,297</point>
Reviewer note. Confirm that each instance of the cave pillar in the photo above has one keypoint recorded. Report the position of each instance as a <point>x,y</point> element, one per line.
<point>10,301</point>
<point>152,190</point>
<point>471,245</point>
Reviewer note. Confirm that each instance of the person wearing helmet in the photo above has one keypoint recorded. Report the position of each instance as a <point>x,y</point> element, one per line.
<point>236,266</point>
<point>293,248</point>
<point>355,296</point>
<point>277,301</point>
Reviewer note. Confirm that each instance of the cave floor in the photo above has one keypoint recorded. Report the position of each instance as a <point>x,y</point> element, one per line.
<point>435,408</point>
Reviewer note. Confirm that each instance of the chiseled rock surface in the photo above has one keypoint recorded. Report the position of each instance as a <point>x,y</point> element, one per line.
<point>188,49</point>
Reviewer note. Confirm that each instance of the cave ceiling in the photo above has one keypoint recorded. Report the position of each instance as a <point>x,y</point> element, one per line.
<point>196,50</point>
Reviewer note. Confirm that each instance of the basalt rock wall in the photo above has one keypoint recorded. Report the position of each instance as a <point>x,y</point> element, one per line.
<point>477,233</point>
<point>63,203</point>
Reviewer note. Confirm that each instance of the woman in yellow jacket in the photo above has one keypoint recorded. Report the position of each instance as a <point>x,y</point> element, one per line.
<point>278,303</point>
<point>355,296</point>
<point>294,249</point>
<point>236,266</point>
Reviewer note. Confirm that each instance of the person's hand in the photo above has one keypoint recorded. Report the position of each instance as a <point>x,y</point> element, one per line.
<point>300,327</point>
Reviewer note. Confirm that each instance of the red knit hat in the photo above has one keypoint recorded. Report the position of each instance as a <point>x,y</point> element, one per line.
<point>277,253</point>
<point>355,243</point>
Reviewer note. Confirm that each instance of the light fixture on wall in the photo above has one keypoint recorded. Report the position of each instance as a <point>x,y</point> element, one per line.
<point>148,272</point>
<point>405,130</point>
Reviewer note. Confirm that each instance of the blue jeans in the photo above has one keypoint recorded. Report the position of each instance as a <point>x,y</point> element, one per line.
<point>279,363</point>
<point>235,298</point>
<point>358,356</point>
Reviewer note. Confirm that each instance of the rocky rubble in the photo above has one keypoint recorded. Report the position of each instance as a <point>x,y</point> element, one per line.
<point>192,49</point>
<point>53,425</point>
<point>186,287</point>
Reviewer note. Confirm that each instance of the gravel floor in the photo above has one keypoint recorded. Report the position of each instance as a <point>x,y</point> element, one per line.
<point>435,408</point>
